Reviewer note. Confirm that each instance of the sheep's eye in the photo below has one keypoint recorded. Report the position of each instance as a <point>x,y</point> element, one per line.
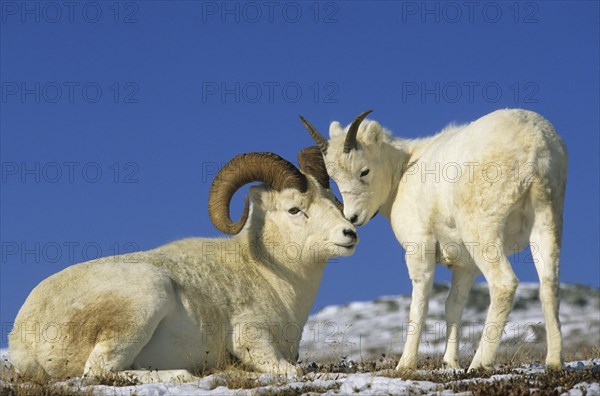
<point>364,173</point>
<point>294,211</point>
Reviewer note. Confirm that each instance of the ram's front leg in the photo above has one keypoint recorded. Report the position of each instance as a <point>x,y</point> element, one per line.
<point>264,357</point>
<point>421,267</point>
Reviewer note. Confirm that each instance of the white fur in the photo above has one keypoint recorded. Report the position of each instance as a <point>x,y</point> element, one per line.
<point>190,304</point>
<point>467,197</point>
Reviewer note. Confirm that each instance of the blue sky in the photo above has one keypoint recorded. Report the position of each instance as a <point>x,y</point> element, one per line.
<point>115,115</point>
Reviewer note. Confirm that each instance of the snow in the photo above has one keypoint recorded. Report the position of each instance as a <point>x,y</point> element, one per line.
<point>327,384</point>
<point>365,330</point>
<point>367,384</point>
<point>338,331</point>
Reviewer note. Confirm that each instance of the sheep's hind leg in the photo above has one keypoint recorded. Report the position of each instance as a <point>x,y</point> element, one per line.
<point>502,283</point>
<point>117,349</point>
<point>25,362</point>
<point>545,249</point>
<point>111,356</point>
<point>462,280</point>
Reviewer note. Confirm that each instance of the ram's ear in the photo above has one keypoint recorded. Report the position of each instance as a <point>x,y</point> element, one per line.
<point>335,129</point>
<point>260,196</point>
<point>370,133</point>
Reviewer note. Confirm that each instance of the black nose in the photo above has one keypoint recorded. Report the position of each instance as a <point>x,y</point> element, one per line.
<point>350,233</point>
<point>353,219</point>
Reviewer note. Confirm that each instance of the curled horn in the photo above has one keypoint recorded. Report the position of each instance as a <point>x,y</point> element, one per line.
<point>350,142</point>
<point>268,168</point>
<point>317,137</point>
<point>312,163</point>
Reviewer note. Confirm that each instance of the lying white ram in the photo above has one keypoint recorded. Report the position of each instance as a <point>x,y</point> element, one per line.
<point>194,303</point>
<point>467,197</point>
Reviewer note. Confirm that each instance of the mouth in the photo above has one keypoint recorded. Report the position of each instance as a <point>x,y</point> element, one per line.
<point>362,223</point>
<point>347,246</point>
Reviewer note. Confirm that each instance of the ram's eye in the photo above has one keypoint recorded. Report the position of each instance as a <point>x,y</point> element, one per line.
<point>294,211</point>
<point>364,173</point>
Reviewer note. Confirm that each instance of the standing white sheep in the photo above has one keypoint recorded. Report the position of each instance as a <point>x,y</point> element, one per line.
<point>193,303</point>
<point>467,197</point>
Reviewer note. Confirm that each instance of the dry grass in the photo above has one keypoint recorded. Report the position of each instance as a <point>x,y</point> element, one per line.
<point>112,379</point>
<point>233,378</point>
<point>289,391</point>
<point>494,382</point>
<point>510,361</point>
<point>546,383</point>
<point>14,385</point>
<point>30,388</point>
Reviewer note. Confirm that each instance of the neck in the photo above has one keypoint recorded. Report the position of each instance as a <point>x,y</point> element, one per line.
<point>398,155</point>
<point>293,274</point>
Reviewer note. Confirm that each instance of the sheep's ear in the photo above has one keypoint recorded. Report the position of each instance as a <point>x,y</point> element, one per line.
<point>335,129</point>
<point>261,196</point>
<point>370,133</point>
<point>257,194</point>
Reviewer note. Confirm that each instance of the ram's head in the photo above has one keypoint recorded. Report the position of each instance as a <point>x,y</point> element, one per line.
<point>291,207</point>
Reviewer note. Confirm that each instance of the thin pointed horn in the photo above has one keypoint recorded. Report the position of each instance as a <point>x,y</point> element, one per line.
<point>350,142</point>
<point>317,137</point>
<point>339,204</point>
<point>268,168</point>
<point>312,163</point>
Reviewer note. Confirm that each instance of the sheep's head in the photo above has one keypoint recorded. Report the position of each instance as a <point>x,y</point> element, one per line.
<point>353,160</point>
<point>292,209</point>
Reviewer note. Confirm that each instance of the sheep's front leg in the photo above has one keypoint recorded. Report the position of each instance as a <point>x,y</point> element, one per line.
<point>462,280</point>
<point>421,267</point>
<point>264,357</point>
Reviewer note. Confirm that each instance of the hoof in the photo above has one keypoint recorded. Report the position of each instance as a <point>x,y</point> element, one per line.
<point>479,368</point>
<point>554,366</point>
<point>451,364</point>
<point>405,366</point>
